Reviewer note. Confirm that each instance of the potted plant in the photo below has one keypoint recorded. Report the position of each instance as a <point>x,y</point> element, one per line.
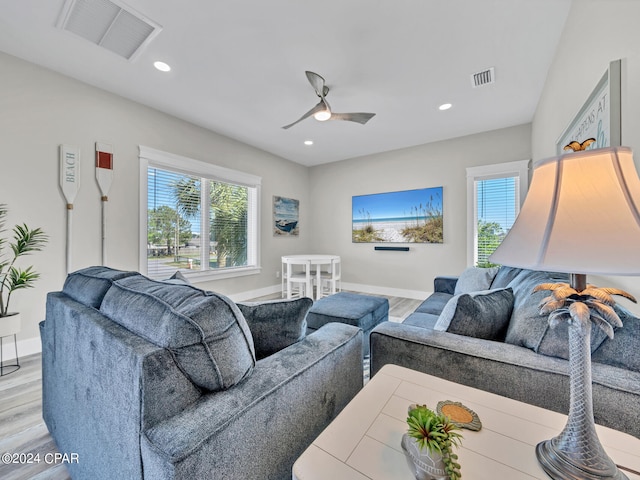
<point>12,278</point>
<point>428,445</point>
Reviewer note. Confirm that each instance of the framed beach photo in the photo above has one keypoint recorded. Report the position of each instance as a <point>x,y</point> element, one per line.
<point>286,213</point>
<point>408,216</point>
<point>600,116</point>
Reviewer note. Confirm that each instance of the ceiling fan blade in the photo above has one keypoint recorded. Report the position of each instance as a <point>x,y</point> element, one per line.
<point>317,82</point>
<point>358,117</point>
<point>318,108</point>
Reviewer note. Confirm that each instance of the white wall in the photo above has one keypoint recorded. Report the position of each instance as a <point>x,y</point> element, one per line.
<point>431,165</point>
<point>39,110</point>
<point>596,32</point>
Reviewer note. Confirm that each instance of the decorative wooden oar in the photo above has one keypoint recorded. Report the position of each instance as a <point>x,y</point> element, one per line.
<point>104,176</point>
<point>69,184</point>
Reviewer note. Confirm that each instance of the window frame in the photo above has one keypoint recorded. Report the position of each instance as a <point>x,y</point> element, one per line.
<point>150,157</point>
<point>518,169</point>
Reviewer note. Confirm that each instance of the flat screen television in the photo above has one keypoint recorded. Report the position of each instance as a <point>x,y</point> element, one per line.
<point>408,216</point>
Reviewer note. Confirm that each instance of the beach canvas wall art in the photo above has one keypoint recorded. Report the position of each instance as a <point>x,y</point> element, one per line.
<point>408,216</point>
<point>286,213</point>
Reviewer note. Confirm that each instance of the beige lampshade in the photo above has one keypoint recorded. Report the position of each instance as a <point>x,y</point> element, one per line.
<point>581,215</point>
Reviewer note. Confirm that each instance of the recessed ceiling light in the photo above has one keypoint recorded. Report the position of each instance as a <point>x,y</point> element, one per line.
<point>445,106</point>
<point>163,67</point>
<point>308,142</point>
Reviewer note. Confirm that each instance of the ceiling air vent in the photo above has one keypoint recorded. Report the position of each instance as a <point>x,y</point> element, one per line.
<point>111,25</point>
<point>483,78</point>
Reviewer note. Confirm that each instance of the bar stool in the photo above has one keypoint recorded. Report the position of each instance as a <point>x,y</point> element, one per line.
<point>330,280</point>
<point>298,278</point>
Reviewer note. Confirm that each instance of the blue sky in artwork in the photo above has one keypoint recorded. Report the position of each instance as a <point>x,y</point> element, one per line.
<point>396,205</point>
<point>285,208</point>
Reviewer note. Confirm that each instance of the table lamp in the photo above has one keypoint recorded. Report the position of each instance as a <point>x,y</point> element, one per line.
<point>581,216</point>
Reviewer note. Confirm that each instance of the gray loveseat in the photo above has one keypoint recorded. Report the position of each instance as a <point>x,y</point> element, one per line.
<point>498,342</point>
<point>156,380</point>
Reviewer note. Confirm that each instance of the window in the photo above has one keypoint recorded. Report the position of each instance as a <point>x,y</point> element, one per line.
<point>494,196</point>
<point>196,217</point>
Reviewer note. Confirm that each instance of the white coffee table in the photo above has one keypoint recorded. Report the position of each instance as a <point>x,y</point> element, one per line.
<point>363,442</point>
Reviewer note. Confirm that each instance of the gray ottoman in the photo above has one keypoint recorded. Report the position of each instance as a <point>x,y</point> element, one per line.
<point>361,311</point>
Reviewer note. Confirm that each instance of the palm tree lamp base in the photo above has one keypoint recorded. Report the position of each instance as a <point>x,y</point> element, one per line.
<point>558,465</point>
<point>576,453</point>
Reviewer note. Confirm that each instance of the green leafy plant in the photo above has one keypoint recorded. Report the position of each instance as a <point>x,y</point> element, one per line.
<point>12,278</point>
<point>436,433</point>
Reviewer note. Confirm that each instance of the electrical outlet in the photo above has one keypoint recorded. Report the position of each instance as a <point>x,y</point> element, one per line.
<point>277,274</point>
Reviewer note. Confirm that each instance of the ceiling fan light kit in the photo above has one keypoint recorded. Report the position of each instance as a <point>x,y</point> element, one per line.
<point>323,115</point>
<point>322,111</point>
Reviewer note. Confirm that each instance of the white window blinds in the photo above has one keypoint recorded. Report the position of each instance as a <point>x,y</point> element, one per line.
<point>197,220</point>
<point>497,204</point>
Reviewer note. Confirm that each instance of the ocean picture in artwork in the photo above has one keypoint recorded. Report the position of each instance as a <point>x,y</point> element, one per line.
<point>285,216</point>
<point>408,216</point>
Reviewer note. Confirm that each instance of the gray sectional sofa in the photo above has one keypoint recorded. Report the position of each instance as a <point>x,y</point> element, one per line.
<point>484,330</point>
<point>161,380</point>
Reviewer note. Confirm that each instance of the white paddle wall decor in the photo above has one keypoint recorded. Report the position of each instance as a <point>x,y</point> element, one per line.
<point>104,176</point>
<point>69,184</point>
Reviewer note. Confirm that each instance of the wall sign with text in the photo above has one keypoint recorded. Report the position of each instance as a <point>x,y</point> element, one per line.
<point>600,116</point>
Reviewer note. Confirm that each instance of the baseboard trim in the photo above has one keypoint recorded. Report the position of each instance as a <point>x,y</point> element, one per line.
<point>26,347</point>
<point>260,292</point>
<point>357,287</point>
<point>392,292</point>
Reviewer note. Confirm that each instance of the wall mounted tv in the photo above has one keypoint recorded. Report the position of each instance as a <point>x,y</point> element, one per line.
<point>408,216</point>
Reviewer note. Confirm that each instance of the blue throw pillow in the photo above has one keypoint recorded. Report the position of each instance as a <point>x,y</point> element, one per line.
<point>205,331</point>
<point>276,324</point>
<point>484,314</point>
<point>475,279</point>
<point>89,285</point>
<point>623,350</point>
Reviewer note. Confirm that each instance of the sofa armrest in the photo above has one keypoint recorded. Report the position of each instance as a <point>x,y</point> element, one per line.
<point>507,370</point>
<point>445,284</point>
<point>101,384</point>
<point>276,324</point>
<point>259,427</point>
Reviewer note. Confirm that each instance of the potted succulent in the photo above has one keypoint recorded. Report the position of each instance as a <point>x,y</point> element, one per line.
<point>428,445</point>
<point>12,278</point>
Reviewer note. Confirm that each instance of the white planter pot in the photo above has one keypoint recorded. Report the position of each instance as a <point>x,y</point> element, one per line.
<point>424,465</point>
<point>10,325</point>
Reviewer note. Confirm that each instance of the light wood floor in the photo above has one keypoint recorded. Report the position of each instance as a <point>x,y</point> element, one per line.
<point>22,429</point>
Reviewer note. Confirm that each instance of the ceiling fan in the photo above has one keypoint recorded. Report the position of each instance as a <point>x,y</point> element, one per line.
<point>322,111</point>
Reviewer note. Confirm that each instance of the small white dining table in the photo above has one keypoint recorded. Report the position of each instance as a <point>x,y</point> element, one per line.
<point>316,259</point>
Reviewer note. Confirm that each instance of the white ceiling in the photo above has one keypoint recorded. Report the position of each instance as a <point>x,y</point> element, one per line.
<point>238,66</point>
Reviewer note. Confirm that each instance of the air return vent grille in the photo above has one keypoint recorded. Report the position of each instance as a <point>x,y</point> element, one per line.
<point>485,77</point>
<point>111,25</point>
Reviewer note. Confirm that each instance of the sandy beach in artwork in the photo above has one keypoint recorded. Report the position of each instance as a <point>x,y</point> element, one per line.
<point>390,231</point>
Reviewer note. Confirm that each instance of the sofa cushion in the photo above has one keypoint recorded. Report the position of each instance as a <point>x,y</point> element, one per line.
<point>89,285</point>
<point>423,320</point>
<point>276,324</point>
<point>527,327</point>
<point>475,279</point>
<point>205,331</point>
<point>623,350</point>
<point>555,340</point>
<point>435,303</point>
<point>482,314</point>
